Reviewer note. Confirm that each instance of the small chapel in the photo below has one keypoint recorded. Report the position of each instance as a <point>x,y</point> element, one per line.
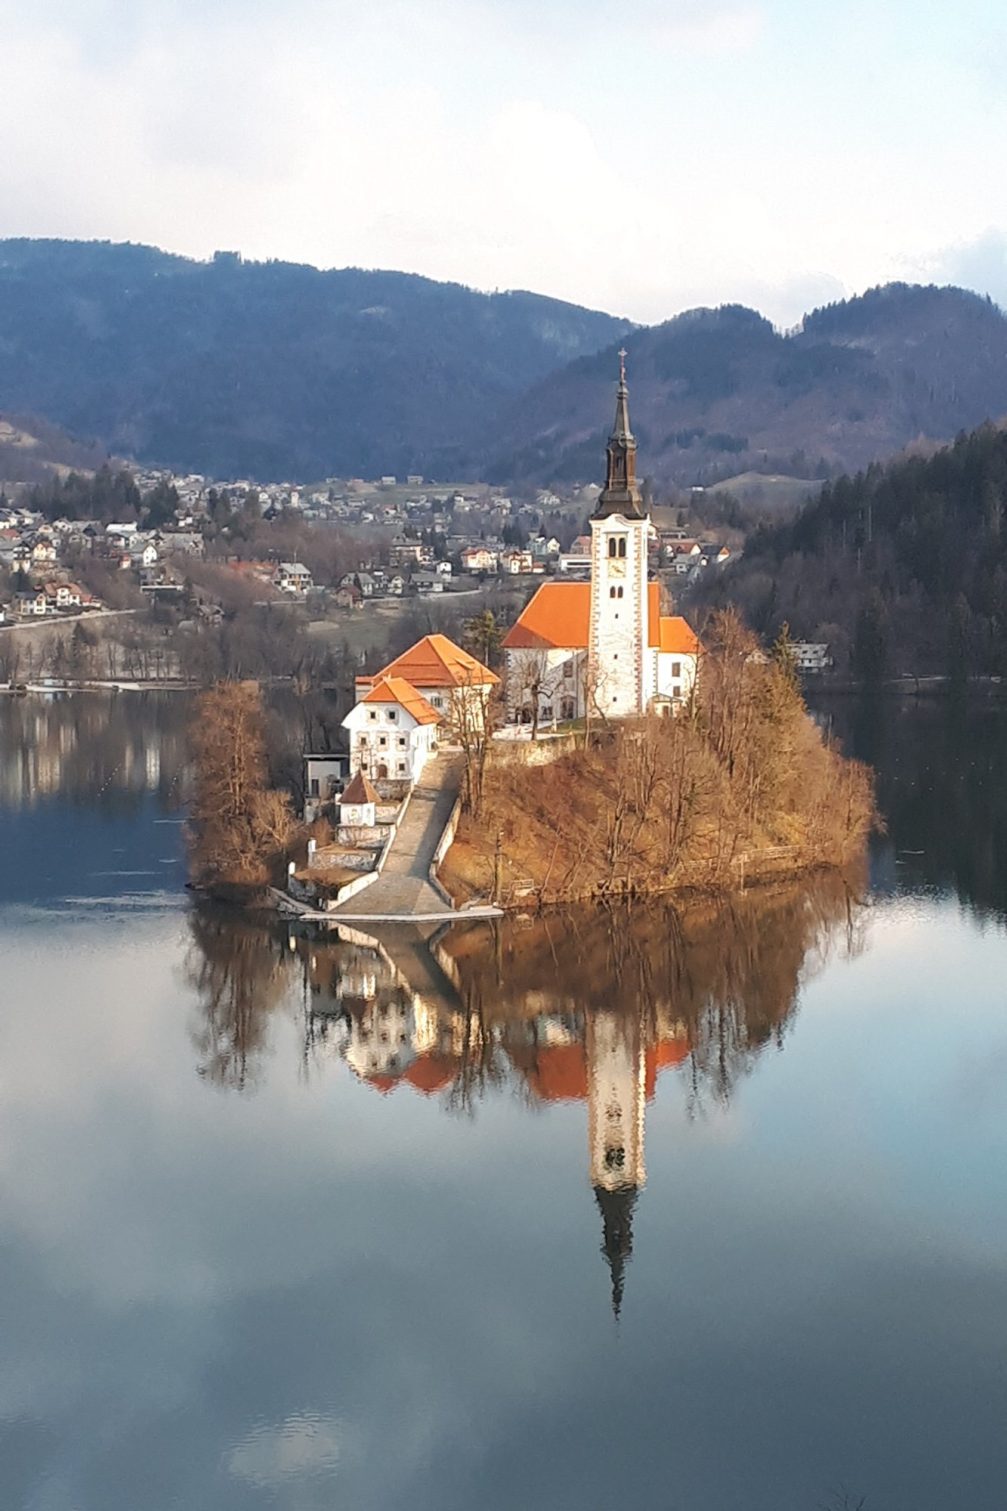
<point>603,646</point>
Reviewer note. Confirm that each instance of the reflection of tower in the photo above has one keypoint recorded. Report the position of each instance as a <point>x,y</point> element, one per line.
<point>617,1088</point>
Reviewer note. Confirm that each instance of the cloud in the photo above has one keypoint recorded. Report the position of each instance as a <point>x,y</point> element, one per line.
<point>301,1446</point>
<point>979,264</point>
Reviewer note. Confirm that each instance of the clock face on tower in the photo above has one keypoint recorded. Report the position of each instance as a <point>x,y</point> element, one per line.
<point>617,568</point>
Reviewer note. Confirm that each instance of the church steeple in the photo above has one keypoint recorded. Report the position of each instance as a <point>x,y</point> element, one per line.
<point>620,494</point>
<point>616,1207</point>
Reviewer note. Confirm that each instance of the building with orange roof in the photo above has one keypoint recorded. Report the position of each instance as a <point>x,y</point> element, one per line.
<point>393,731</point>
<point>434,686</point>
<point>434,665</point>
<point>603,646</point>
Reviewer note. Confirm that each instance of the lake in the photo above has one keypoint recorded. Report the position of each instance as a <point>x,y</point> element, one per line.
<point>699,1208</point>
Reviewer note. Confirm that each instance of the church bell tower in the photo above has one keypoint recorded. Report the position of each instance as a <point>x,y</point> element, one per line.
<point>616,1106</point>
<point>618,683</point>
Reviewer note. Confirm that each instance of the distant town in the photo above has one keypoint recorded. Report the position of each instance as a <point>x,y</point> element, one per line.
<point>412,539</point>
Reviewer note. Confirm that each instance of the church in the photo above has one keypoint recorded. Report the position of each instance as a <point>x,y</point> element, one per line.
<point>603,646</point>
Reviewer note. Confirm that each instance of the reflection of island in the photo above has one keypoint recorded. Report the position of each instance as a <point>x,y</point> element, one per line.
<point>576,1007</point>
<point>572,1007</point>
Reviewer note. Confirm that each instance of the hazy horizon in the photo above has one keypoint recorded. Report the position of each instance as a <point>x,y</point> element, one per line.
<point>643,160</point>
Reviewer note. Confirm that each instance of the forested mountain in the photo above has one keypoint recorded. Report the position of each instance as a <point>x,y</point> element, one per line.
<point>270,370</point>
<point>276,370</point>
<point>718,391</point>
<point>34,451</point>
<point>902,568</point>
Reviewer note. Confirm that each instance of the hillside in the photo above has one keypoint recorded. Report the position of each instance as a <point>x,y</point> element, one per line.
<point>34,451</point>
<point>717,393</point>
<point>902,568</point>
<point>270,370</point>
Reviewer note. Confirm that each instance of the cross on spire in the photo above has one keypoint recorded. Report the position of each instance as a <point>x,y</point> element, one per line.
<point>623,354</point>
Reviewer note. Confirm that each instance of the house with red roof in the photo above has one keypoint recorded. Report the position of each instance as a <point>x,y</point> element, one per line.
<point>393,731</point>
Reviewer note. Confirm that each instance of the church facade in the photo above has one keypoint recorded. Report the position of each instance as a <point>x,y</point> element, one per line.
<point>603,646</point>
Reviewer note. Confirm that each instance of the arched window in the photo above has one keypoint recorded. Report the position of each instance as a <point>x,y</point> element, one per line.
<point>611,545</point>
<point>622,545</point>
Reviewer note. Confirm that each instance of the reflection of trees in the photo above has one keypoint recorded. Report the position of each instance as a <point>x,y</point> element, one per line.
<point>713,984</point>
<point>940,764</point>
<point>723,975</point>
<point>89,745</point>
<point>240,972</point>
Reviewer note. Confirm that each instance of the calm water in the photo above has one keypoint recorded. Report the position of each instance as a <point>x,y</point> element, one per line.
<point>702,1211</point>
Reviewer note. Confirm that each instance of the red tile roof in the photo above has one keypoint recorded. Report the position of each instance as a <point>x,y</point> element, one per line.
<point>559,617</point>
<point>435,661</point>
<point>678,638</point>
<point>398,690</point>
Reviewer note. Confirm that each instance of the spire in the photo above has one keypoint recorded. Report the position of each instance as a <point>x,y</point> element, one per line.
<point>621,494</point>
<point>616,1209</point>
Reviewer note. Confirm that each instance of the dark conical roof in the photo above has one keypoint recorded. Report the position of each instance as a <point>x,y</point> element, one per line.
<point>620,494</point>
<point>616,1209</point>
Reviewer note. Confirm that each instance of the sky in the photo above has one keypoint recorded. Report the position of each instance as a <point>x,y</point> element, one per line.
<point>641,157</point>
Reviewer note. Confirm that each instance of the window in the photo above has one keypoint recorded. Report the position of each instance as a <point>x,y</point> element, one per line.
<point>372,713</point>
<point>622,545</point>
<point>611,545</point>
<point>567,708</point>
<point>393,716</point>
<point>547,711</point>
<point>363,742</point>
<point>402,768</point>
<point>314,786</point>
<point>382,741</point>
<point>403,742</point>
<point>567,670</point>
<point>676,668</point>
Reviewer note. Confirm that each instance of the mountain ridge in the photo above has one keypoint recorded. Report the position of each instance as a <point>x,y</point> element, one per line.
<point>273,369</point>
<point>279,371</point>
<point>721,391</point>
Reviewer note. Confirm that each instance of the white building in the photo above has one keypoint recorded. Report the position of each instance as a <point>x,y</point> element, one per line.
<point>393,731</point>
<point>358,803</point>
<point>811,656</point>
<point>293,577</point>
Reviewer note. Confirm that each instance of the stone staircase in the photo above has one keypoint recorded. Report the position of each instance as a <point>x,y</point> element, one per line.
<point>404,885</point>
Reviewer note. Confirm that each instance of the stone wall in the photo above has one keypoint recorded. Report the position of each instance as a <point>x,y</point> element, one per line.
<point>529,752</point>
<point>362,834</point>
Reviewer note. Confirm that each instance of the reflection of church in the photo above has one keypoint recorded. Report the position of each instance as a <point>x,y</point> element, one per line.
<point>606,1061</point>
<point>363,1006</point>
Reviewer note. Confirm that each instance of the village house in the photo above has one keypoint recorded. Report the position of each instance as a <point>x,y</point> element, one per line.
<point>393,731</point>
<point>478,559</point>
<point>603,645</point>
<point>31,604</point>
<point>293,577</point>
<point>454,683</point>
<point>577,561</point>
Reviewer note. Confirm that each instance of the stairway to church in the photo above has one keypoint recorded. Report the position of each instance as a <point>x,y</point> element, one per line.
<point>404,885</point>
